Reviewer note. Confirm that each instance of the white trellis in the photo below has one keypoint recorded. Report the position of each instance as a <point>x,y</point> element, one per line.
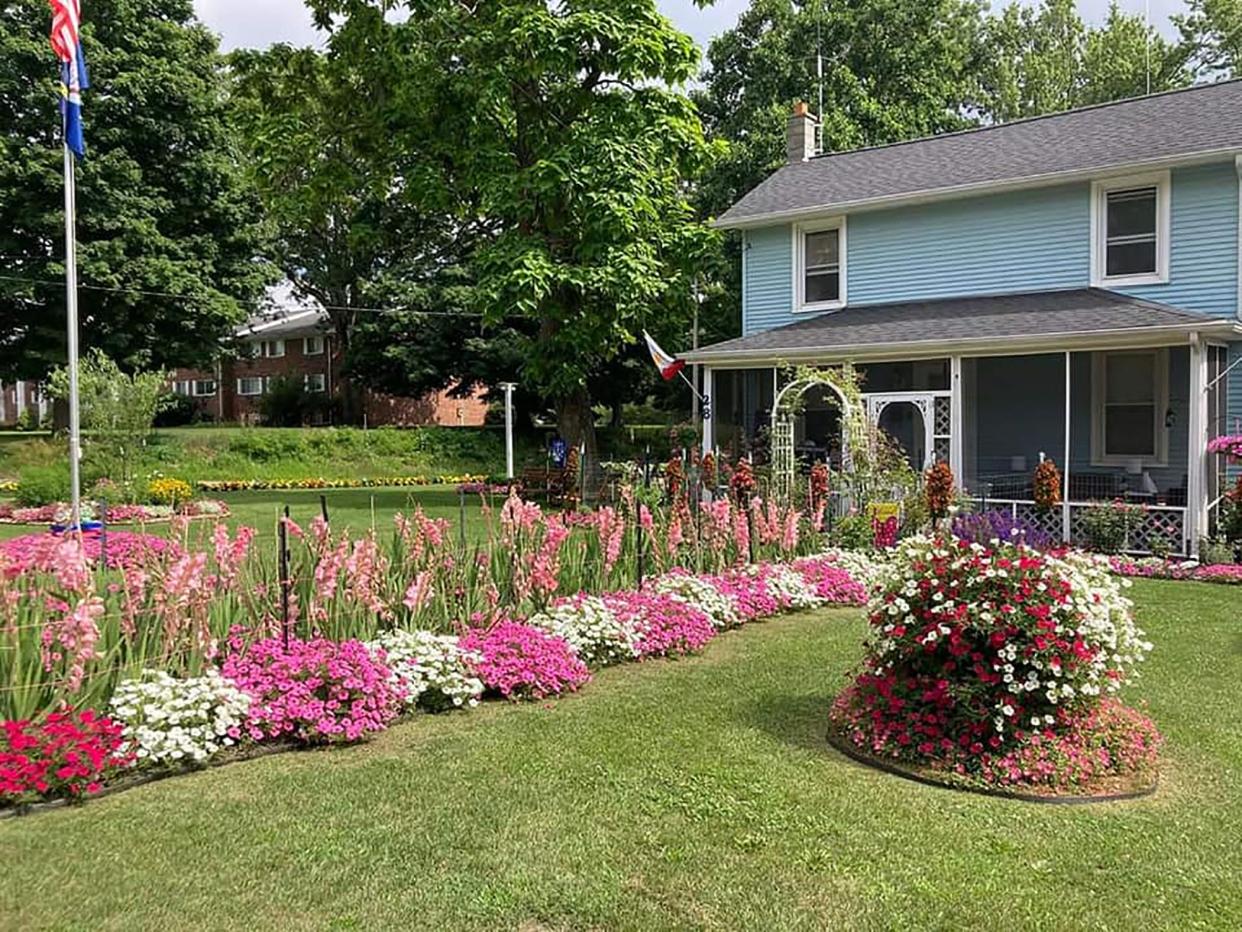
<point>785,410</point>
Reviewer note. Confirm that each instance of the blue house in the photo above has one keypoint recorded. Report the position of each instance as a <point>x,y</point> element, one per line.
<point>1064,286</point>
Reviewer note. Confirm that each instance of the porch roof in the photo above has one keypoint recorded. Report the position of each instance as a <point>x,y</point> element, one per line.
<point>1082,318</point>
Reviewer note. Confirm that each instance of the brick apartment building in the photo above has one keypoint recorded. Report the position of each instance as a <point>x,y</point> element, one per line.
<point>299,344</point>
<point>21,402</point>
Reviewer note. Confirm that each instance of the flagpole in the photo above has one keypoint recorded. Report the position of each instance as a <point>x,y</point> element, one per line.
<point>71,314</point>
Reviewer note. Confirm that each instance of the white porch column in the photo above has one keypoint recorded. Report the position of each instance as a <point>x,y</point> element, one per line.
<point>1065,461</point>
<point>1197,456</point>
<point>709,410</point>
<point>956,421</point>
<point>20,392</point>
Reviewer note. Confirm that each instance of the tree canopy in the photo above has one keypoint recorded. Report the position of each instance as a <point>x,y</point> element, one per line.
<point>169,241</point>
<point>566,127</point>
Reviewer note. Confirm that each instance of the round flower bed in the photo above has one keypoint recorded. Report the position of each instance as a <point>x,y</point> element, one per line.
<point>997,668</point>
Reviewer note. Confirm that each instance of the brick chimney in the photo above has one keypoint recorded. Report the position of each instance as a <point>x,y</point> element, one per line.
<point>802,125</point>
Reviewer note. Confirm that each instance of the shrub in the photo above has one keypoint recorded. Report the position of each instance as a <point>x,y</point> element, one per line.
<point>43,485</point>
<point>168,719</point>
<point>853,532</point>
<point>976,650</point>
<point>521,662</point>
<point>1108,525</point>
<point>177,410</point>
<point>286,403</point>
<point>434,671</point>
<point>316,691</point>
<point>68,754</point>
<point>587,624</point>
<point>662,625</point>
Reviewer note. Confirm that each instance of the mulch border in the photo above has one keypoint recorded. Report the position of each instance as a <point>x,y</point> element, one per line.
<point>838,743</point>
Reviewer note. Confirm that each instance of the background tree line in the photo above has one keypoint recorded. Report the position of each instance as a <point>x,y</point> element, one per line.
<point>491,191</point>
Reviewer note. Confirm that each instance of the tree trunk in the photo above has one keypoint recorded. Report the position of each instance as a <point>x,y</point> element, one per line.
<point>576,423</point>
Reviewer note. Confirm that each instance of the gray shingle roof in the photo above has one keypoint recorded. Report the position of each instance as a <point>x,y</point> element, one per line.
<point>1018,318</point>
<point>1188,123</point>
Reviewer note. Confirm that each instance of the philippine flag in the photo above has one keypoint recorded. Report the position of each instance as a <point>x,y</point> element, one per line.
<point>668,365</point>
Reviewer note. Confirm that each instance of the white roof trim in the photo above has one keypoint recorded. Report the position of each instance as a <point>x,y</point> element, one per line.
<point>983,187</point>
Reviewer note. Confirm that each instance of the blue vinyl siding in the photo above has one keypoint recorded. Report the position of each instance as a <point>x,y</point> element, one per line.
<point>1203,259</point>
<point>1021,241</point>
<point>767,292</point>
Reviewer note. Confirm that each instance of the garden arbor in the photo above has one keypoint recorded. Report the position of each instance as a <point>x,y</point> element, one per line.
<point>856,445</point>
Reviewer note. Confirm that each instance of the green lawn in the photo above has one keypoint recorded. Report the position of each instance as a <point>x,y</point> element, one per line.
<point>691,794</point>
<point>352,508</point>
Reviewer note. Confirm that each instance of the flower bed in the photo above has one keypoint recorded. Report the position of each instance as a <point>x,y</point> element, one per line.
<point>1229,574</point>
<point>990,667</point>
<point>125,549</point>
<point>319,482</point>
<point>61,513</point>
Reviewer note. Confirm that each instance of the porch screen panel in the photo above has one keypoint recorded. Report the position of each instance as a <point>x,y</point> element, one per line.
<point>741,407</point>
<point>1014,411</point>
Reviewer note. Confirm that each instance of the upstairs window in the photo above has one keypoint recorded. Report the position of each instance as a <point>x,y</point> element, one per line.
<point>820,266</point>
<point>273,349</point>
<point>312,346</point>
<point>1130,217</point>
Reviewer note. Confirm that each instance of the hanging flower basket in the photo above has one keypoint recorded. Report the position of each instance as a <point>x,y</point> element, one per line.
<point>1229,445</point>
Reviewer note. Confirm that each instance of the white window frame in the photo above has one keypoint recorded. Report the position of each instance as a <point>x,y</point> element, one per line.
<point>182,387</point>
<point>242,380</point>
<point>800,231</point>
<point>323,382</point>
<point>195,383</point>
<point>1099,382</point>
<point>306,346</point>
<point>1099,229</point>
<point>273,345</point>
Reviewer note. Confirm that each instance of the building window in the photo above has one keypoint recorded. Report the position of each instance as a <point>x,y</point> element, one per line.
<point>312,346</point>
<point>315,382</point>
<point>203,387</point>
<point>1130,218</point>
<point>819,266</point>
<point>181,388</point>
<point>250,385</point>
<point>273,349</point>
<point>1129,402</point>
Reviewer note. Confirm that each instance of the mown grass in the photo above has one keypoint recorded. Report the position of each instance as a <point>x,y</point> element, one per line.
<point>356,509</point>
<point>689,794</point>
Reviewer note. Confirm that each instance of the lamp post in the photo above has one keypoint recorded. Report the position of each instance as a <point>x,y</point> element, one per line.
<point>508,388</point>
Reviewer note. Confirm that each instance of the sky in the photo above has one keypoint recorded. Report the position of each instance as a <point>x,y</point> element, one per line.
<point>243,23</point>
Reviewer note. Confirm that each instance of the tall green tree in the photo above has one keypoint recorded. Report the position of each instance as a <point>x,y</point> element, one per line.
<point>892,70</point>
<point>1044,59</point>
<point>1212,36</point>
<point>351,224</point>
<point>564,125</point>
<point>168,231</point>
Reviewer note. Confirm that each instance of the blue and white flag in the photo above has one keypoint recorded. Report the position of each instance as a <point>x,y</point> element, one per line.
<point>66,16</point>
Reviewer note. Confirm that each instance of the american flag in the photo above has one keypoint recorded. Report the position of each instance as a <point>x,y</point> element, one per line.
<point>66,43</point>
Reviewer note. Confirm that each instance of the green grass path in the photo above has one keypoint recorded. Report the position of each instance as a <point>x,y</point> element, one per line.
<point>669,795</point>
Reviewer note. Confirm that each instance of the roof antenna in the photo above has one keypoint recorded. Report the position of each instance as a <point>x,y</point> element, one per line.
<point>1147,38</point>
<point>819,71</point>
